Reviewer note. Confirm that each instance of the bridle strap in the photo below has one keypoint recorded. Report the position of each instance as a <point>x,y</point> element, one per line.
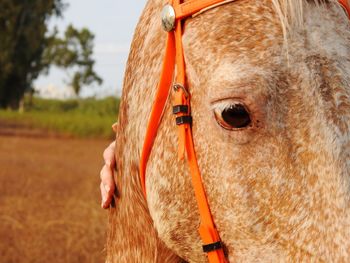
<point>189,8</point>
<point>158,106</point>
<point>174,56</point>
<point>345,4</point>
<point>207,229</point>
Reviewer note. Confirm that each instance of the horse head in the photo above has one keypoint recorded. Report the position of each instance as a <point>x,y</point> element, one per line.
<point>270,100</point>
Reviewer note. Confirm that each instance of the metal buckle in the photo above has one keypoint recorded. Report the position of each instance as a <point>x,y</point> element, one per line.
<point>168,18</point>
<point>178,86</point>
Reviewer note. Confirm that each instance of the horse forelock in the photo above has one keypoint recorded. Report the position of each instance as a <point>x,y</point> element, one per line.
<point>291,12</point>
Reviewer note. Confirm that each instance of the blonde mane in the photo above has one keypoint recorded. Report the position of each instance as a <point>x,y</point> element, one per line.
<point>291,12</point>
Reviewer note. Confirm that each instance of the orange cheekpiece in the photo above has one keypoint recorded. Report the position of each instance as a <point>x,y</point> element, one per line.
<point>174,57</point>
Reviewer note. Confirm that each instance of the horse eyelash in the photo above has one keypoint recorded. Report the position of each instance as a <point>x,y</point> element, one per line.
<point>225,104</point>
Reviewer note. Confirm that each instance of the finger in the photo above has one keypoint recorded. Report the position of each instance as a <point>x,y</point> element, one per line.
<point>115,127</point>
<point>108,184</point>
<point>108,155</point>
<point>108,201</point>
<point>107,179</point>
<point>106,197</point>
<point>103,195</point>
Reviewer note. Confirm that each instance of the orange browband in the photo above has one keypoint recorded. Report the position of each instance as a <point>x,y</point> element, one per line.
<point>174,13</point>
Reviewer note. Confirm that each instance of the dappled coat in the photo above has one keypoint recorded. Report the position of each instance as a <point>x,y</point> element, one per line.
<point>278,187</point>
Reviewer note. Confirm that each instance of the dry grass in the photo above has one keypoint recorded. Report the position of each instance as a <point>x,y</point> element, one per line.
<point>49,200</point>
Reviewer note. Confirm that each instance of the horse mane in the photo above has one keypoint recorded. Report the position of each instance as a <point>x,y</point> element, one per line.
<point>291,12</point>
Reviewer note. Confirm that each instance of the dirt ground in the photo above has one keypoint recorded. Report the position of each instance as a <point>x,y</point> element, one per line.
<point>49,199</point>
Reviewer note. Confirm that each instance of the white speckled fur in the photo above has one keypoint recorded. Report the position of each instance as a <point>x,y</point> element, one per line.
<point>279,190</point>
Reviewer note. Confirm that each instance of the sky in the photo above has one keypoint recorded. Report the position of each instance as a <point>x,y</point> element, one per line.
<point>113,23</point>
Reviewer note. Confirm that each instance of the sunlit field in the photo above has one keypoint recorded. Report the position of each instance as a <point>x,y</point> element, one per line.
<point>89,118</point>
<point>61,67</point>
<point>50,158</point>
<point>49,200</point>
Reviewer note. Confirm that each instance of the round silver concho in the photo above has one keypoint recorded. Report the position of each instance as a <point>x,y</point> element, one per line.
<point>168,18</point>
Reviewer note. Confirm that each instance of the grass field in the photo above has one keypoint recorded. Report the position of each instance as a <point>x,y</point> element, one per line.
<point>88,118</point>
<point>50,158</point>
<point>49,200</point>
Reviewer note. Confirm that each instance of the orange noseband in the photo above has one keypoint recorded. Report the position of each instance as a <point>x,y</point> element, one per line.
<point>173,14</point>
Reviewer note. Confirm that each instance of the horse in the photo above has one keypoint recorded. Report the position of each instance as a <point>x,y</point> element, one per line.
<point>270,100</point>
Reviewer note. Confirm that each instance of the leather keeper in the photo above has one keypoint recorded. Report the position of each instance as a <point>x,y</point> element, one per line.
<point>186,119</point>
<point>180,109</point>
<point>212,247</point>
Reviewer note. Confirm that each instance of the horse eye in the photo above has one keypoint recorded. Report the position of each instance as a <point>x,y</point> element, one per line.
<point>235,116</point>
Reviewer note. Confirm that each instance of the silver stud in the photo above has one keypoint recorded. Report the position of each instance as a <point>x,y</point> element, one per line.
<point>168,18</point>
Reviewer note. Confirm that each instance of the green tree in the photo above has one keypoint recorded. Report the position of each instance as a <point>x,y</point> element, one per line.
<point>27,49</point>
<point>74,50</point>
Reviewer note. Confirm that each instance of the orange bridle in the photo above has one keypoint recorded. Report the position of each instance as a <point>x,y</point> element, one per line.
<point>172,16</point>
<point>345,4</point>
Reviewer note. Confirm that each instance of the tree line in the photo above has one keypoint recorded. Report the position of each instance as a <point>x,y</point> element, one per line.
<point>28,48</point>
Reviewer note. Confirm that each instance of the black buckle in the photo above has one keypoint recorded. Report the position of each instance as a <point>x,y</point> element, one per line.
<point>186,119</point>
<point>180,109</point>
<point>211,247</point>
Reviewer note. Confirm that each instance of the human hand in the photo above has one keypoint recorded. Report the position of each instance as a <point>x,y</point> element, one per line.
<point>107,185</point>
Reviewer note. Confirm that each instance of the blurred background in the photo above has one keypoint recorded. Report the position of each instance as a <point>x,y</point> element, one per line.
<point>61,72</point>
